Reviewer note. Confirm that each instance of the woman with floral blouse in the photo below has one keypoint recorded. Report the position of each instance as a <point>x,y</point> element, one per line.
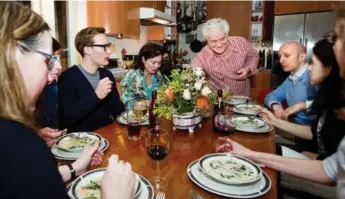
<point>145,77</point>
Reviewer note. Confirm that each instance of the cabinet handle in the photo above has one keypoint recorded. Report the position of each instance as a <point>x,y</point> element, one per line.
<point>300,40</point>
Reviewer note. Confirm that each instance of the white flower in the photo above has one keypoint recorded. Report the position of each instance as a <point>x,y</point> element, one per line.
<point>186,94</point>
<point>198,85</point>
<point>205,91</point>
<point>198,71</point>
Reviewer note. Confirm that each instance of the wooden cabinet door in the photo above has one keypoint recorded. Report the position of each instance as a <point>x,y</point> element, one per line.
<point>217,9</point>
<point>107,14</point>
<point>239,13</point>
<point>132,26</point>
<point>291,7</point>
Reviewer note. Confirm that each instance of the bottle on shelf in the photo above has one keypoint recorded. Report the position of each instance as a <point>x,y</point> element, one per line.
<point>217,108</point>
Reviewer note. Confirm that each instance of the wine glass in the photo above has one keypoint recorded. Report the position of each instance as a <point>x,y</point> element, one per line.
<point>225,123</point>
<point>158,144</point>
<point>136,114</point>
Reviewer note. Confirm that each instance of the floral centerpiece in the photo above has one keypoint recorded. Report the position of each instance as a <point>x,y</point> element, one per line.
<point>185,97</point>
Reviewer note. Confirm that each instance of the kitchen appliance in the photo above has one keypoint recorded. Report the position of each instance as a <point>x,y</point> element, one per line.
<point>306,28</point>
<point>151,17</point>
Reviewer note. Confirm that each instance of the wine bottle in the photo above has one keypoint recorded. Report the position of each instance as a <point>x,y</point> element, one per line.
<point>154,122</point>
<point>217,108</point>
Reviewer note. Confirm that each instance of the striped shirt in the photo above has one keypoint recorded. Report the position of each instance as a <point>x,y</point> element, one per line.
<point>222,69</point>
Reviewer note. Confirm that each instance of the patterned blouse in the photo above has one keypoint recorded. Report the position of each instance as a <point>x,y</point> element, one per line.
<point>133,85</point>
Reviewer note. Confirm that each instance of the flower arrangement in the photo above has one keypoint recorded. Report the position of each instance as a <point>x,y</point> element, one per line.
<point>184,92</point>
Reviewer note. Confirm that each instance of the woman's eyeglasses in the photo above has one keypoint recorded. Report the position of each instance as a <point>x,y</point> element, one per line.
<point>52,59</point>
<point>104,46</point>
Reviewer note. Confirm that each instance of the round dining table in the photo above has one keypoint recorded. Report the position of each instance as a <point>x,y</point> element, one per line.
<point>184,148</point>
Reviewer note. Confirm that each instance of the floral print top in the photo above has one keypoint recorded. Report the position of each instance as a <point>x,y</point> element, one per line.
<point>133,85</point>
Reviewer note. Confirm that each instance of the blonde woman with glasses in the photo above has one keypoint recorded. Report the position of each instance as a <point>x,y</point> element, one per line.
<point>28,169</point>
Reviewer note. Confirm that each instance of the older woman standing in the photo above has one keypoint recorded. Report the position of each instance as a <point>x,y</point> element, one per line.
<point>145,77</point>
<point>227,61</point>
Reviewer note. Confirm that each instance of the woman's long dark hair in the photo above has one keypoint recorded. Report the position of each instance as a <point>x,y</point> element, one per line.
<point>328,97</point>
<point>148,51</point>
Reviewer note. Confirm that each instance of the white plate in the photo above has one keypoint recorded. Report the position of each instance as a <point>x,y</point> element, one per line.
<point>96,174</point>
<point>259,188</point>
<point>212,173</point>
<point>123,120</point>
<point>237,99</point>
<point>61,143</point>
<point>63,155</point>
<point>241,108</point>
<point>241,122</point>
<point>146,192</point>
<point>264,129</point>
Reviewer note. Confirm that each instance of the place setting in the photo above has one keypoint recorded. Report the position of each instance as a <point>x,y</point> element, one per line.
<point>229,175</point>
<point>70,146</point>
<point>88,186</point>
<point>236,99</point>
<point>136,113</point>
<point>251,124</point>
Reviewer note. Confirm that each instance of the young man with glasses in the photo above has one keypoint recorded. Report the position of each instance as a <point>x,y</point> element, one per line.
<point>87,96</point>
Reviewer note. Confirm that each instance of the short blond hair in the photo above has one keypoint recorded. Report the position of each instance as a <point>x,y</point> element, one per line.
<point>215,24</point>
<point>85,38</point>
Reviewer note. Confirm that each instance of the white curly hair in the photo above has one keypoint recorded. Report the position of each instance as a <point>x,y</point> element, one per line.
<point>215,24</point>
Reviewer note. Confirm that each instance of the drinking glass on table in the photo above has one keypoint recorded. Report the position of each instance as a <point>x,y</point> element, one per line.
<point>225,123</point>
<point>136,114</point>
<point>157,145</point>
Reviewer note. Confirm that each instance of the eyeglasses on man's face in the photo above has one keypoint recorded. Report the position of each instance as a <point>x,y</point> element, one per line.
<point>104,46</point>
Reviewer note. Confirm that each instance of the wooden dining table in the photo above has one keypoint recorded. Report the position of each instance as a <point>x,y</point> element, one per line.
<point>185,147</point>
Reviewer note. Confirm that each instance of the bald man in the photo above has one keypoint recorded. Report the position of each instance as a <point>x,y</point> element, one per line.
<point>296,88</point>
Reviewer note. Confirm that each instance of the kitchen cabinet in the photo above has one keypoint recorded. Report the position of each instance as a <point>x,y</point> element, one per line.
<point>159,5</point>
<point>119,16</point>
<point>290,7</point>
<point>107,14</point>
<point>237,13</point>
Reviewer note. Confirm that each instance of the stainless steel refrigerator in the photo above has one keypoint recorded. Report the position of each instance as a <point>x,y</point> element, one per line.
<point>305,28</point>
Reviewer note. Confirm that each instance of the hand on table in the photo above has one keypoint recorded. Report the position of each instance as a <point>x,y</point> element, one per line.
<point>49,135</point>
<point>228,145</point>
<point>119,174</point>
<point>268,116</point>
<point>293,110</point>
<point>277,110</point>
<point>90,156</point>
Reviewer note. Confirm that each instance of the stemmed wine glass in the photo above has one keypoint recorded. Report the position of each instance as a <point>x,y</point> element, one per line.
<point>158,144</point>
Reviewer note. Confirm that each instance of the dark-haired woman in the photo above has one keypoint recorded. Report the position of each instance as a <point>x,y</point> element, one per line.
<point>145,77</point>
<point>328,129</point>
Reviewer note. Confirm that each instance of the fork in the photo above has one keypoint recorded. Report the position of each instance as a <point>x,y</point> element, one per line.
<point>195,195</point>
<point>160,195</point>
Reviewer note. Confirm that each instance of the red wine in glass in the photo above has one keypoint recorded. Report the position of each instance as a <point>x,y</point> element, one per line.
<point>157,145</point>
<point>157,152</point>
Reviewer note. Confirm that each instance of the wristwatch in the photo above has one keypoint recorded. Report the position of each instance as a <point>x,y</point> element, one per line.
<point>71,169</point>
